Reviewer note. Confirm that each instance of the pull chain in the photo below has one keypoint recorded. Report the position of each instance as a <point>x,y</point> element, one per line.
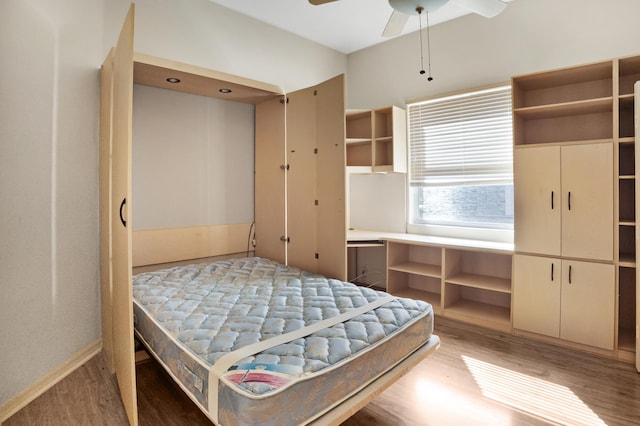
<point>422,71</point>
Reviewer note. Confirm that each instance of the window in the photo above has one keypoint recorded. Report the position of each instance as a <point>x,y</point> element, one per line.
<point>461,165</point>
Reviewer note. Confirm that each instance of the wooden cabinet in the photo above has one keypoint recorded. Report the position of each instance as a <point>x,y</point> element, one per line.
<point>579,111</point>
<point>115,202</point>
<point>376,140</point>
<point>316,220</point>
<point>536,177</point>
<point>468,284</point>
<point>566,105</point>
<point>564,200</point>
<point>415,271</point>
<point>300,180</point>
<point>568,299</point>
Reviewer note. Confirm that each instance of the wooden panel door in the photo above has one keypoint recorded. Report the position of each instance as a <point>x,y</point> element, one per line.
<point>301,149</point>
<point>122,298</point>
<point>587,207</point>
<point>536,294</point>
<point>106,209</point>
<point>637,209</point>
<point>537,200</point>
<point>330,179</point>
<point>270,180</point>
<point>588,303</point>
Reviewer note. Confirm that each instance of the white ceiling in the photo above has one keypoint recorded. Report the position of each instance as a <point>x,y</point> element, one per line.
<point>345,25</point>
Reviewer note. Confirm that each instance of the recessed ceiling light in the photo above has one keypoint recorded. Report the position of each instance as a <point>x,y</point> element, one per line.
<point>173,80</point>
<point>224,91</point>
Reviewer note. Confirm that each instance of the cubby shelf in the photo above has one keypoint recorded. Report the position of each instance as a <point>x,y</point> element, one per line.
<point>418,269</point>
<point>376,139</point>
<point>470,310</point>
<point>502,285</point>
<point>469,284</point>
<point>588,105</point>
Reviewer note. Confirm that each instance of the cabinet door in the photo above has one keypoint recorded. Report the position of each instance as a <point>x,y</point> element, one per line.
<point>588,303</point>
<point>537,200</point>
<point>301,150</point>
<point>330,175</point>
<point>270,180</point>
<point>536,294</point>
<point>122,296</point>
<point>637,202</point>
<point>587,204</point>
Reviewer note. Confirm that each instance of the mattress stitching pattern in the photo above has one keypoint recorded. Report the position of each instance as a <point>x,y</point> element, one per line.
<point>255,299</point>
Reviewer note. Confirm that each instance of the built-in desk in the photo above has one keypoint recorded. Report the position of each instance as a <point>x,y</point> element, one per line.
<point>462,279</point>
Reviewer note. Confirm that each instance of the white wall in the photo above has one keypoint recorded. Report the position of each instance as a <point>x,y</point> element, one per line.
<point>49,294</point>
<point>192,160</point>
<point>202,33</point>
<point>50,51</point>
<point>472,51</point>
<point>50,54</point>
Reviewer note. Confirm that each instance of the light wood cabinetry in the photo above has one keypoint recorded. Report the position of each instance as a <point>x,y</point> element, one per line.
<point>376,140</point>
<point>318,116</point>
<point>567,105</point>
<point>576,299</point>
<point>536,176</point>
<point>468,284</point>
<point>115,201</point>
<point>585,114</point>
<point>564,200</point>
<point>300,191</point>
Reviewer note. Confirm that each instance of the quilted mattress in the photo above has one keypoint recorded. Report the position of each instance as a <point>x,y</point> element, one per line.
<point>252,341</point>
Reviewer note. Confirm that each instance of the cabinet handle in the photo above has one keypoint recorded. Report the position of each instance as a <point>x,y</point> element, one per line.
<point>551,271</point>
<point>124,222</point>
<point>569,200</point>
<point>551,200</point>
<point>570,274</point>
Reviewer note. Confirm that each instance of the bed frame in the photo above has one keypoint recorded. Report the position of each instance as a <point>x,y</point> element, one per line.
<point>343,409</point>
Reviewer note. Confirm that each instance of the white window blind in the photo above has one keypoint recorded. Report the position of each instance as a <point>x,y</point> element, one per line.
<point>463,139</point>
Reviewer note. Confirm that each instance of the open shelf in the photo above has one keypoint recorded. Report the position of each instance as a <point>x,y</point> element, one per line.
<point>567,105</point>
<point>358,152</point>
<point>418,269</point>
<point>476,286</point>
<point>626,159</point>
<point>579,127</point>
<point>502,285</point>
<point>629,73</point>
<point>377,139</point>
<point>627,200</point>
<point>580,83</point>
<point>488,314</point>
<point>625,116</point>
<point>627,308</point>
<point>421,287</point>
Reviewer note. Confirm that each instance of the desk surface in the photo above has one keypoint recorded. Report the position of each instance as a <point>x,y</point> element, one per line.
<point>354,236</point>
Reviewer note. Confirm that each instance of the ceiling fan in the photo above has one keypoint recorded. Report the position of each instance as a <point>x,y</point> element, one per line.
<point>402,9</point>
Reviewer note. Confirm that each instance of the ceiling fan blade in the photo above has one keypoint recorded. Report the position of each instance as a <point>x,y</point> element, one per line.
<point>319,2</point>
<point>396,24</point>
<point>486,8</point>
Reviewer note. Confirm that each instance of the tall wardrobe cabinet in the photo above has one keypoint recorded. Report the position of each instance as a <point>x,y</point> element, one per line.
<point>300,179</point>
<point>564,276</point>
<point>575,205</point>
<point>303,139</point>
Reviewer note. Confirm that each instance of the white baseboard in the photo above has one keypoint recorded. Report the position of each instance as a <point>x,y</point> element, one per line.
<point>45,383</point>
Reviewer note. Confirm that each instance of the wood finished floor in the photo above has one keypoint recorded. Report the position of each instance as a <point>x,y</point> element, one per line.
<point>477,377</point>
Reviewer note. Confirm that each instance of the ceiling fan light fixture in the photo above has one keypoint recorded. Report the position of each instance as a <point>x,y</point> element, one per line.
<point>409,7</point>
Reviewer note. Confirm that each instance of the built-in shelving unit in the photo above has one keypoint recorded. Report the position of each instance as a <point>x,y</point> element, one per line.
<point>585,105</point>
<point>574,104</point>
<point>628,74</point>
<point>469,284</point>
<point>376,140</point>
